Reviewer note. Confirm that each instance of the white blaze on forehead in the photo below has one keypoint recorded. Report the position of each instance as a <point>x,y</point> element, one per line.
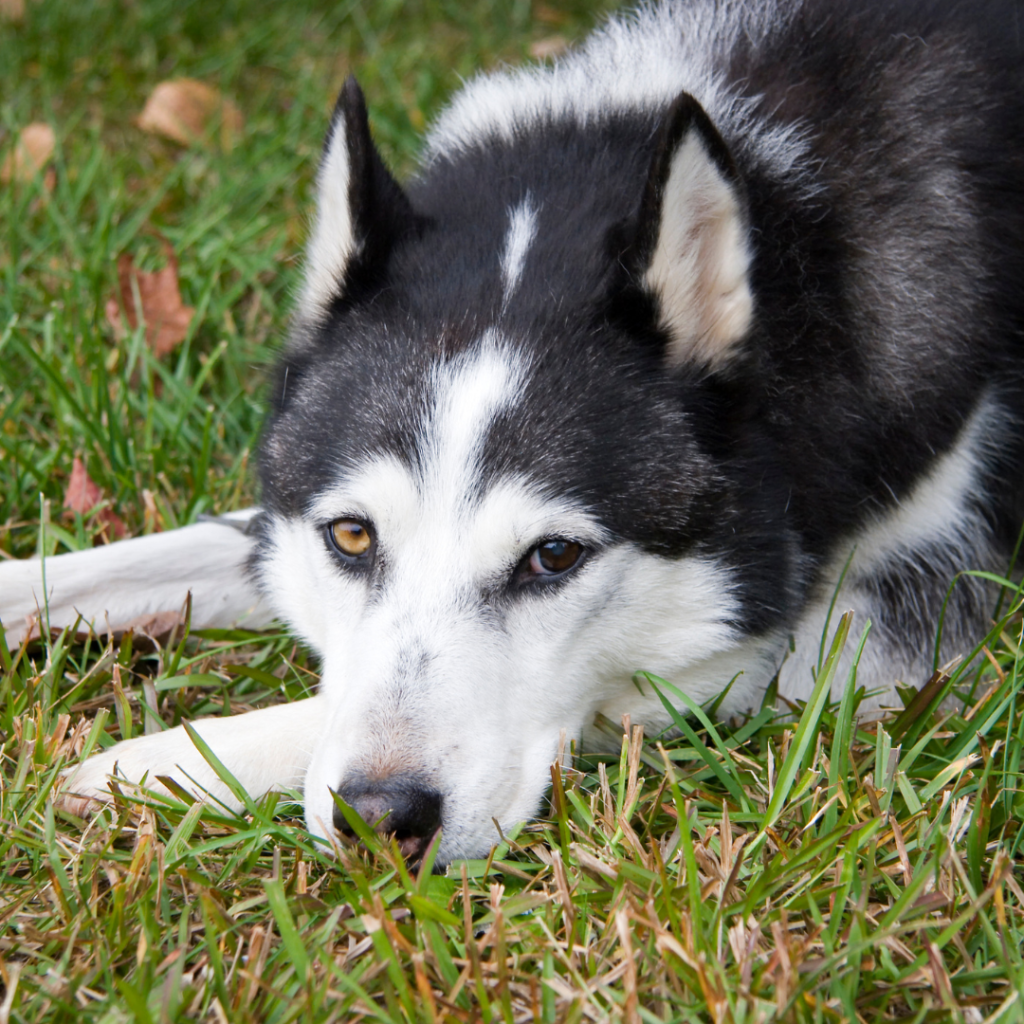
<point>467,394</point>
<point>431,516</point>
<point>470,392</point>
<point>522,229</point>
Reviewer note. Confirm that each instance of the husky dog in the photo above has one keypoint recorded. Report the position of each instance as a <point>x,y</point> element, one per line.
<point>658,337</point>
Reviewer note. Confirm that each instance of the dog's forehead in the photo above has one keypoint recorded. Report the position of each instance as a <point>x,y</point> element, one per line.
<point>436,461</point>
<point>465,396</point>
<point>464,409</point>
<point>447,484</point>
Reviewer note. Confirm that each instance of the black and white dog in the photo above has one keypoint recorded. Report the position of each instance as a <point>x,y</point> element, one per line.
<point>658,336</point>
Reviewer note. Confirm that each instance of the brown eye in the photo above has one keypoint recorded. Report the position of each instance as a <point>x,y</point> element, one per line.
<point>350,537</point>
<point>554,557</point>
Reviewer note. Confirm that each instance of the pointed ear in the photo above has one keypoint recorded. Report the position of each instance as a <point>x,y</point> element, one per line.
<point>691,249</point>
<point>361,209</point>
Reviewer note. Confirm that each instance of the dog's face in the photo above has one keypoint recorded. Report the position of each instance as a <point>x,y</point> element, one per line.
<point>484,511</point>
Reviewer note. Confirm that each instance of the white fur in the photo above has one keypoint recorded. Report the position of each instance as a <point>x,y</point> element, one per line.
<point>332,242</point>
<point>108,587</point>
<point>938,510</point>
<point>677,46</point>
<point>264,750</point>
<point>424,679</point>
<point>700,262</point>
<point>522,229</point>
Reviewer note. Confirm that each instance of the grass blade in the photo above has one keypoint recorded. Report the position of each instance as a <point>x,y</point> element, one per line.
<point>807,728</point>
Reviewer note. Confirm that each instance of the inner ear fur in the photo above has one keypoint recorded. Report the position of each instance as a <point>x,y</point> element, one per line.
<point>361,209</point>
<point>691,250</point>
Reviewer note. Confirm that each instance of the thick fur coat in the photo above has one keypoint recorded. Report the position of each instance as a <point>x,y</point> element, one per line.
<point>659,339</point>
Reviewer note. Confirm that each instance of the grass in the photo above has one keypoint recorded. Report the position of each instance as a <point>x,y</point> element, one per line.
<point>805,869</point>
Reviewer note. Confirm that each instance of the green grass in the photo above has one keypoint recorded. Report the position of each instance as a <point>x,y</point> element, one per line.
<point>807,869</point>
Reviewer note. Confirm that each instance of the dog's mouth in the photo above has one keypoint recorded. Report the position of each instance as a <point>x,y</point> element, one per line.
<point>414,848</point>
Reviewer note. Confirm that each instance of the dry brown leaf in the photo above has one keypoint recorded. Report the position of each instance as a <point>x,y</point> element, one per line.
<point>184,110</point>
<point>12,11</point>
<point>551,46</point>
<point>549,15</point>
<point>83,495</point>
<point>166,317</point>
<point>31,153</point>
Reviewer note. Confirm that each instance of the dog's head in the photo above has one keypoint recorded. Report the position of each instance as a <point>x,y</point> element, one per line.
<point>498,473</point>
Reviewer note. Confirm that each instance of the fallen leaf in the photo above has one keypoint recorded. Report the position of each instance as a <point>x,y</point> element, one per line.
<point>184,110</point>
<point>83,494</point>
<point>551,46</point>
<point>12,10</point>
<point>152,298</point>
<point>31,153</point>
<point>542,12</point>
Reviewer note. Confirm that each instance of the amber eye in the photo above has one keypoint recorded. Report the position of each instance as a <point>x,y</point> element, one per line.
<point>554,557</point>
<point>350,537</point>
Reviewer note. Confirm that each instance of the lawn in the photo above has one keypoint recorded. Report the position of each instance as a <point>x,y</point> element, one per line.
<point>801,868</point>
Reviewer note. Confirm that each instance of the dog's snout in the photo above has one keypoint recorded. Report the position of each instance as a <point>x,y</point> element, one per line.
<point>397,805</point>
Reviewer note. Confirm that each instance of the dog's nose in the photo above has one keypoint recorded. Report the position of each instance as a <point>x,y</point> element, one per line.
<point>398,805</point>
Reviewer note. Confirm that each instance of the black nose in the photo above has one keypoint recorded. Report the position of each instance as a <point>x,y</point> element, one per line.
<point>399,805</point>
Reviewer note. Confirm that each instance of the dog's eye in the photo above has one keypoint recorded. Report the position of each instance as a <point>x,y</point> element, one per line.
<point>554,557</point>
<point>350,538</point>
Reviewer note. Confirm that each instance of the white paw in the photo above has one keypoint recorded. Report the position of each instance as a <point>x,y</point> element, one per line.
<point>142,761</point>
<point>264,750</point>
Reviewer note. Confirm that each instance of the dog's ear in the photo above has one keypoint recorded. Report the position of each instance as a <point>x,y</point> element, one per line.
<point>361,209</point>
<point>690,250</point>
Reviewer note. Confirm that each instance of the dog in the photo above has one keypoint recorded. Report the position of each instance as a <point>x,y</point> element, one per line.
<point>667,346</point>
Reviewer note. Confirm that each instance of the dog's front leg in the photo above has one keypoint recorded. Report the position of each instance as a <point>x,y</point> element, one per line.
<point>112,586</point>
<point>264,750</point>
